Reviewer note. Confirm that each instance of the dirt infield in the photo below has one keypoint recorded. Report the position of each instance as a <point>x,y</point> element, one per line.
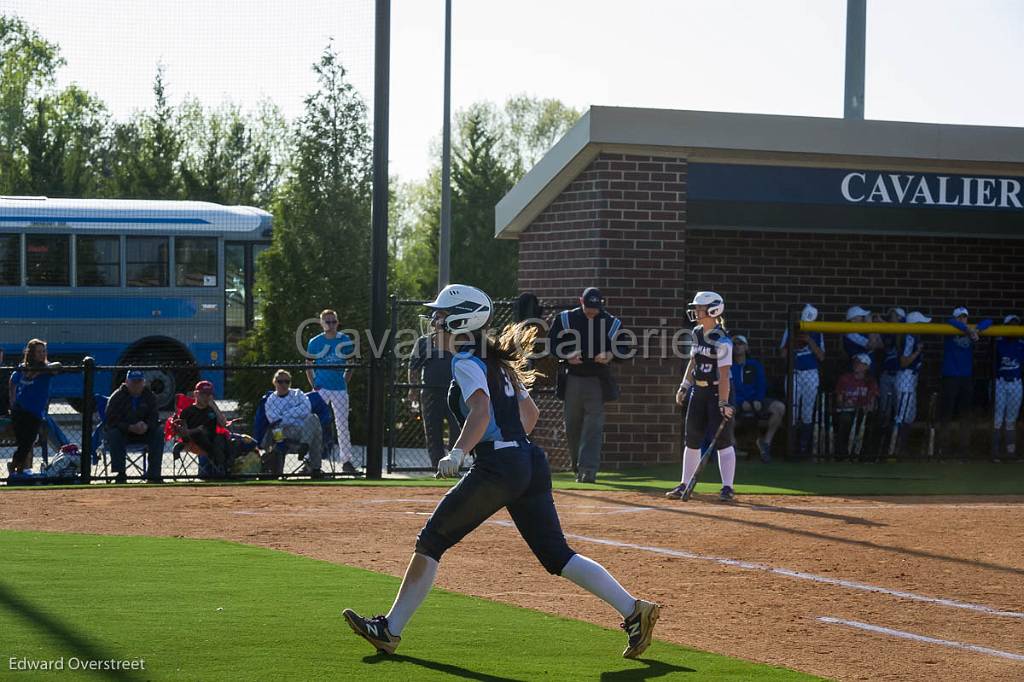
<point>753,579</point>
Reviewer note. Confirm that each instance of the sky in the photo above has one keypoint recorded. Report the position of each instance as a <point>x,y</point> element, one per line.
<point>944,61</point>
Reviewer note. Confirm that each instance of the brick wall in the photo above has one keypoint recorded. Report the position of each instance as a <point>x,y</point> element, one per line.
<point>760,274</point>
<point>620,226</point>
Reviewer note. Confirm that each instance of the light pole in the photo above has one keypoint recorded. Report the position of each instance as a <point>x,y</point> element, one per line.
<point>444,242</point>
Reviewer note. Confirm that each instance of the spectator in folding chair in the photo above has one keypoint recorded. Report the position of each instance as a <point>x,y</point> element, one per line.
<point>203,429</point>
<point>289,415</point>
<point>29,396</point>
<point>132,418</point>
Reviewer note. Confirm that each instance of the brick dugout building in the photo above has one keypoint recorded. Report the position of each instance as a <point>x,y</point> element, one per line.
<point>771,212</point>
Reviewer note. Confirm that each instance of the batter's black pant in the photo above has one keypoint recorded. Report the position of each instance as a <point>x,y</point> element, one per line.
<point>516,478</point>
<point>703,415</point>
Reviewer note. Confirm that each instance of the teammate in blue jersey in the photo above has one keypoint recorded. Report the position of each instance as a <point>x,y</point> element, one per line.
<point>489,394</point>
<point>809,351</point>
<point>890,367</point>
<point>856,343</point>
<point>957,388</point>
<point>1009,359</point>
<point>911,351</point>
<point>708,379</point>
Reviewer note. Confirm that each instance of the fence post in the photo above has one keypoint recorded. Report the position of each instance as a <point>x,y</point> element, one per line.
<point>85,456</point>
<point>392,394</point>
<point>791,381</point>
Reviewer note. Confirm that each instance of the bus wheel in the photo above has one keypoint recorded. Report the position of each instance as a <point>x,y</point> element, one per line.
<point>165,382</point>
<point>162,382</point>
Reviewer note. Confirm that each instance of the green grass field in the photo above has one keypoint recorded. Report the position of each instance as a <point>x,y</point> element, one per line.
<point>777,478</point>
<point>210,610</point>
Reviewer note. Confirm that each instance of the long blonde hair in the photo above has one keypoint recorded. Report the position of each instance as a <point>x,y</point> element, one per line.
<point>509,351</point>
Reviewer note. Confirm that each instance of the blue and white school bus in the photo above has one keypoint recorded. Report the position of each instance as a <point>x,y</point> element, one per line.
<point>128,282</point>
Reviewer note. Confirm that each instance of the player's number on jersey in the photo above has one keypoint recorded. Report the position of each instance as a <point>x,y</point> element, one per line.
<point>706,367</point>
<point>509,391</point>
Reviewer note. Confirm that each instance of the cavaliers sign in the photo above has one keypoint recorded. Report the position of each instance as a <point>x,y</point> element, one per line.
<point>930,190</point>
<point>861,187</point>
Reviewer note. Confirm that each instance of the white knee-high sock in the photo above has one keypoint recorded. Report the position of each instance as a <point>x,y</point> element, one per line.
<point>594,578</point>
<point>691,457</point>
<point>727,465</point>
<point>416,584</point>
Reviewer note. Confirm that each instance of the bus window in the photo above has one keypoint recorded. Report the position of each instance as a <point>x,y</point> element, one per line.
<point>10,261</point>
<point>48,260</point>
<point>98,261</point>
<point>235,294</point>
<point>146,261</point>
<point>195,261</point>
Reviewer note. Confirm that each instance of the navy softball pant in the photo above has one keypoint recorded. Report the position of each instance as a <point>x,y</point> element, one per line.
<point>517,478</point>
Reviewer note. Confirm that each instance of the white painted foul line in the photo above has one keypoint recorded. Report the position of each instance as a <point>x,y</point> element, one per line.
<point>799,575</point>
<point>902,634</point>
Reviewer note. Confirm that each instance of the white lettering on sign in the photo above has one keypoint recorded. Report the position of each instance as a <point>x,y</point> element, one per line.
<point>930,190</point>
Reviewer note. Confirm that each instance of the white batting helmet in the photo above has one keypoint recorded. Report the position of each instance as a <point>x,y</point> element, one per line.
<point>468,308</point>
<point>809,313</point>
<point>715,305</point>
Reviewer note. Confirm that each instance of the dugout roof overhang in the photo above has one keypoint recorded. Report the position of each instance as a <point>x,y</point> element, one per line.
<point>752,149</point>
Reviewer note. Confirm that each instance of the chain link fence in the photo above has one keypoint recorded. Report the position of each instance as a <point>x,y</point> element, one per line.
<point>305,435</point>
<point>417,412</point>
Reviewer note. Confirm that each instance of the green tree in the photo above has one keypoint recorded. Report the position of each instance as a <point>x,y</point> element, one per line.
<point>230,157</point>
<point>27,67</point>
<point>64,145</point>
<point>479,180</point>
<point>146,156</point>
<point>492,145</point>
<point>415,219</point>
<point>319,257</point>
<point>529,127</point>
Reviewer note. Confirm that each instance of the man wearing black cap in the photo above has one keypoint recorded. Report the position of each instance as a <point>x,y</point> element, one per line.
<point>584,341</point>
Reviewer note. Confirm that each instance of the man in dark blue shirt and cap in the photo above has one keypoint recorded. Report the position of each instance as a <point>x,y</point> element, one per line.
<point>584,340</point>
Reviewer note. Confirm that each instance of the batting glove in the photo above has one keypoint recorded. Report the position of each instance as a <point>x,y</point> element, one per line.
<point>449,465</point>
<point>727,410</point>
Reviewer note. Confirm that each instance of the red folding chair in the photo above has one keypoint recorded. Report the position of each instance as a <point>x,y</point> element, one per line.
<point>186,453</point>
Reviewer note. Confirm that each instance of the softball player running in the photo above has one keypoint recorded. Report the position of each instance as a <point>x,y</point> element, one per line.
<point>809,352</point>
<point>489,395</point>
<point>906,381</point>
<point>708,375</point>
<point>1009,358</point>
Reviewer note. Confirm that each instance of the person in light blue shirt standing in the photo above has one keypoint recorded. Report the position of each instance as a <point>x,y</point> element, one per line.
<point>957,388</point>
<point>333,348</point>
<point>1009,359</point>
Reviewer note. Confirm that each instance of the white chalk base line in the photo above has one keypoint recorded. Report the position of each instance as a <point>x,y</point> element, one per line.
<point>799,575</point>
<point>902,634</point>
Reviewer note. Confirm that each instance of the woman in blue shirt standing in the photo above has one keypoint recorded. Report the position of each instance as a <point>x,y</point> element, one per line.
<point>489,396</point>
<point>30,399</point>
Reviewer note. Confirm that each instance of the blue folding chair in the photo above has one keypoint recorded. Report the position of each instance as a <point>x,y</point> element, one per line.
<point>135,455</point>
